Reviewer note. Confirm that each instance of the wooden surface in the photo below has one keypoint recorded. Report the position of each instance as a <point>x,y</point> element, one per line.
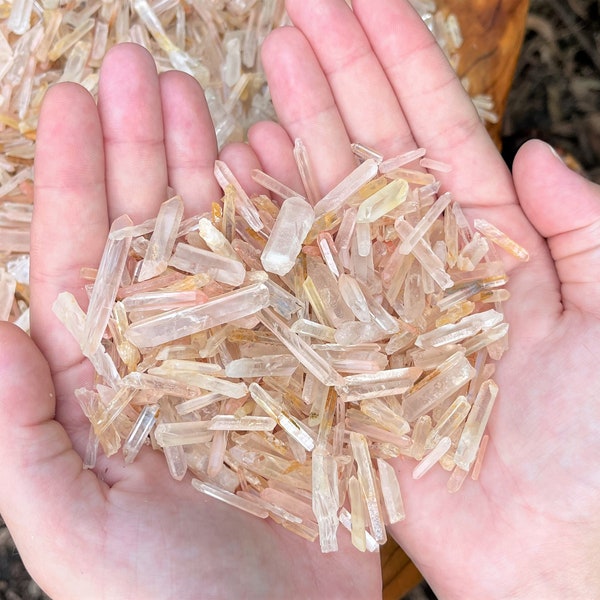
<point>493,32</point>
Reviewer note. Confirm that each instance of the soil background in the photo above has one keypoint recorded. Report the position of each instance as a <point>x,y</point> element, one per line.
<point>555,97</point>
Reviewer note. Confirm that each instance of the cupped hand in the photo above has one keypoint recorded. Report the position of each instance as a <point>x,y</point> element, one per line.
<point>531,525</point>
<point>125,531</point>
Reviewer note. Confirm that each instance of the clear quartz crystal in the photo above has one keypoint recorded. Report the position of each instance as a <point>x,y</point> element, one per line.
<point>301,350</point>
<point>176,324</point>
<point>436,209</point>
<point>139,432</point>
<point>359,539</point>
<point>382,202</point>
<point>341,193</point>
<point>325,498</point>
<point>501,239</point>
<point>273,185</point>
<point>105,288</point>
<point>368,484</point>
<point>197,261</point>
<point>163,239</point>
<point>294,221</point>
<point>275,365</point>
<point>243,204</point>
<point>428,461</point>
<point>424,254</point>
<point>448,378</point>
<point>306,171</point>
<point>254,508</point>
<point>473,431</point>
<point>390,490</point>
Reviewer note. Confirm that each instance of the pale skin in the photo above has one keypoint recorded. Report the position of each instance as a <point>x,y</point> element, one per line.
<point>528,528</point>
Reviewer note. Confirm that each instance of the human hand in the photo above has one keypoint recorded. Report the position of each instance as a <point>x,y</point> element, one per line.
<point>118,532</point>
<point>530,527</point>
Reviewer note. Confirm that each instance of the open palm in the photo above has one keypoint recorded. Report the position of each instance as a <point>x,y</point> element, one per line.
<point>531,524</point>
<point>121,532</point>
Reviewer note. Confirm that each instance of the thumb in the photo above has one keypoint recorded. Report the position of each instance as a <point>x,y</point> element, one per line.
<point>564,207</point>
<point>41,475</point>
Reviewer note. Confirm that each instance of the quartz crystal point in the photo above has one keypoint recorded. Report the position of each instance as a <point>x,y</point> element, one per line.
<point>449,422</point>
<point>448,378</point>
<point>359,538</point>
<point>294,221</point>
<point>181,434</point>
<point>435,210</point>
<point>470,438</point>
<point>291,425</point>
<point>382,202</point>
<point>306,172</point>
<point>341,193</point>
<point>139,433</point>
<point>20,16</point>
<point>215,240</point>
<point>70,314</point>
<point>346,522</point>
<point>424,254</point>
<point>105,288</point>
<point>176,324</point>
<point>313,363</point>
<point>354,297</point>
<point>390,490</point>
<point>492,233</point>
<point>273,185</point>
<point>433,457</point>
<point>243,204</point>
<point>163,239</point>
<point>390,382</point>
<point>196,260</point>
<point>456,332</point>
<point>254,508</point>
<point>325,498</point>
<point>327,287</point>
<point>248,423</point>
<point>275,365</point>
<point>368,484</point>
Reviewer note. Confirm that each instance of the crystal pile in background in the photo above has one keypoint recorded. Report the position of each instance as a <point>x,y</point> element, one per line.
<point>216,41</point>
<point>282,353</point>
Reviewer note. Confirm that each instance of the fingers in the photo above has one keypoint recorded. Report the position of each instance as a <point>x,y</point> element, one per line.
<point>274,150</point>
<point>190,142</point>
<point>565,209</point>
<point>305,105</point>
<point>242,160</point>
<point>363,94</point>
<point>131,115</point>
<point>439,112</point>
<point>70,220</point>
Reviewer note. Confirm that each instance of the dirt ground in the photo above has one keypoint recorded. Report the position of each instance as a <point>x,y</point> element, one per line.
<point>556,92</point>
<point>556,97</point>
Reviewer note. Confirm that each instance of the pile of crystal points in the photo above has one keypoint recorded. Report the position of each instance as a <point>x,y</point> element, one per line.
<point>283,350</point>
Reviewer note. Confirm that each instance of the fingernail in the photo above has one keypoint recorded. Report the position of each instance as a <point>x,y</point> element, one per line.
<point>556,154</point>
